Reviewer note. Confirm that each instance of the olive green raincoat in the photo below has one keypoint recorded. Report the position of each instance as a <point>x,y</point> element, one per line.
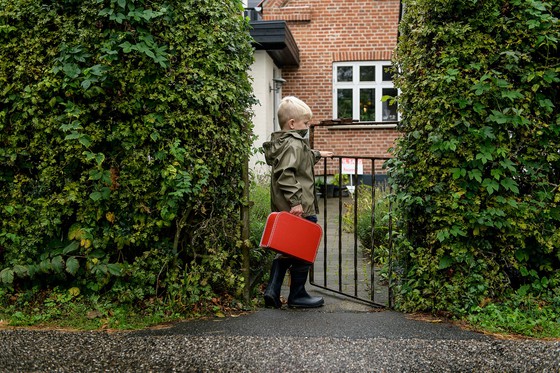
<point>292,178</point>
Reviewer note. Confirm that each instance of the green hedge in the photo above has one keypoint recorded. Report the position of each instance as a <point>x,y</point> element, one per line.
<point>477,169</point>
<point>123,129</point>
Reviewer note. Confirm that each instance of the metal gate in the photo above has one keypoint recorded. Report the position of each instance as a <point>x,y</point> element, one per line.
<point>344,264</point>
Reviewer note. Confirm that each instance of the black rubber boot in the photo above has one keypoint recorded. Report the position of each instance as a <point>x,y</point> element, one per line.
<point>277,273</point>
<point>298,297</point>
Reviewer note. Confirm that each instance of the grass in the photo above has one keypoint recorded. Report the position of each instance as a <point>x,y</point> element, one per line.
<point>57,309</point>
<point>85,315</point>
<point>524,316</point>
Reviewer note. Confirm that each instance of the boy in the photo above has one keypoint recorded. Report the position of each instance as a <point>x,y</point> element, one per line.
<point>293,190</point>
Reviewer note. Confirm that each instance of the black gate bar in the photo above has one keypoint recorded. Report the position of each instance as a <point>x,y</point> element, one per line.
<point>339,289</point>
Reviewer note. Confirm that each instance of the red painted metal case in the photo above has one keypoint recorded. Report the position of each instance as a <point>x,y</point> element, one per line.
<point>291,235</point>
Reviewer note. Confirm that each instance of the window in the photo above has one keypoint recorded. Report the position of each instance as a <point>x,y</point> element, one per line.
<point>358,89</point>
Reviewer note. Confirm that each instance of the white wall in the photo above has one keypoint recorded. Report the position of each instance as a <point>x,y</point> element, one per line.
<point>262,71</point>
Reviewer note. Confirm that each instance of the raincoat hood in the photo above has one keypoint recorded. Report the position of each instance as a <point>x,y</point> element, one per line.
<point>279,141</point>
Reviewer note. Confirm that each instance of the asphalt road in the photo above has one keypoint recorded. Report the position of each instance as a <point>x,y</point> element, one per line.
<point>343,336</point>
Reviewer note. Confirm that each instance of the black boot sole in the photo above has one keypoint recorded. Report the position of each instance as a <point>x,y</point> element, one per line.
<point>305,305</point>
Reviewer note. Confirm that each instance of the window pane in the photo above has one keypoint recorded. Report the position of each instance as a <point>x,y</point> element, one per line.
<point>344,74</point>
<point>367,104</point>
<point>367,73</point>
<point>387,74</point>
<point>358,86</point>
<point>389,108</point>
<point>344,103</point>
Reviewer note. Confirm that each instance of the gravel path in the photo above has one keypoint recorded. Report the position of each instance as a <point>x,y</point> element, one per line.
<point>36,351</point>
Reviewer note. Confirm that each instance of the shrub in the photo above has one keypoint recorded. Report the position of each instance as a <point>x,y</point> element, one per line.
<point>476,168</point>
<point>123,129</point>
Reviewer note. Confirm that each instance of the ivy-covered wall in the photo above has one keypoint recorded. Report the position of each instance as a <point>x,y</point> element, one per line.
<point>477,171</point>
<point>124,125</point>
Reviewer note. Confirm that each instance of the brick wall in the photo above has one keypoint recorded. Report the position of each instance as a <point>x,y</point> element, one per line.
<point>328,31</point>
<point>358,141</point>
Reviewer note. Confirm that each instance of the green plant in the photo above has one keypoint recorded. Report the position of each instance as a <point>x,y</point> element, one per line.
<point>376,250</point>
<point>340,180</point>
<point>476,169</point>
<point>259,211</point>
<point>260,208</point>
<point>70,309</point>
<point>123,125</point>
<point>520,313</point>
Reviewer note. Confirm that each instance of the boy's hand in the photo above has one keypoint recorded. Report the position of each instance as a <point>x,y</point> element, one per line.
<point>297,210</point>
<point>326,153</point>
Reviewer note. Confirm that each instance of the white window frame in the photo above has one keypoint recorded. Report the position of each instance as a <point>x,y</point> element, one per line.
<point>356,85</point>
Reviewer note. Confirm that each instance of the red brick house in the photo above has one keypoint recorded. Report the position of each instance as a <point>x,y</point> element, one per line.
<point>340,66</point>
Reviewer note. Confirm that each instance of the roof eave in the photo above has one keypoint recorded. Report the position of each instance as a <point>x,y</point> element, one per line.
<point>276,39</point>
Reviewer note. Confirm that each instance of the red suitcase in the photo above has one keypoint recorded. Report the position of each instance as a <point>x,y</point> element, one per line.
<point>289,234</point>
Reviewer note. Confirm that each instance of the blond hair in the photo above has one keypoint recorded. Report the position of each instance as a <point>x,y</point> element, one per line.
<point>293,108</point>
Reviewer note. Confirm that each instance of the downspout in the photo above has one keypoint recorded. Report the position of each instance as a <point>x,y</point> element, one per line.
<point>401,12</point>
